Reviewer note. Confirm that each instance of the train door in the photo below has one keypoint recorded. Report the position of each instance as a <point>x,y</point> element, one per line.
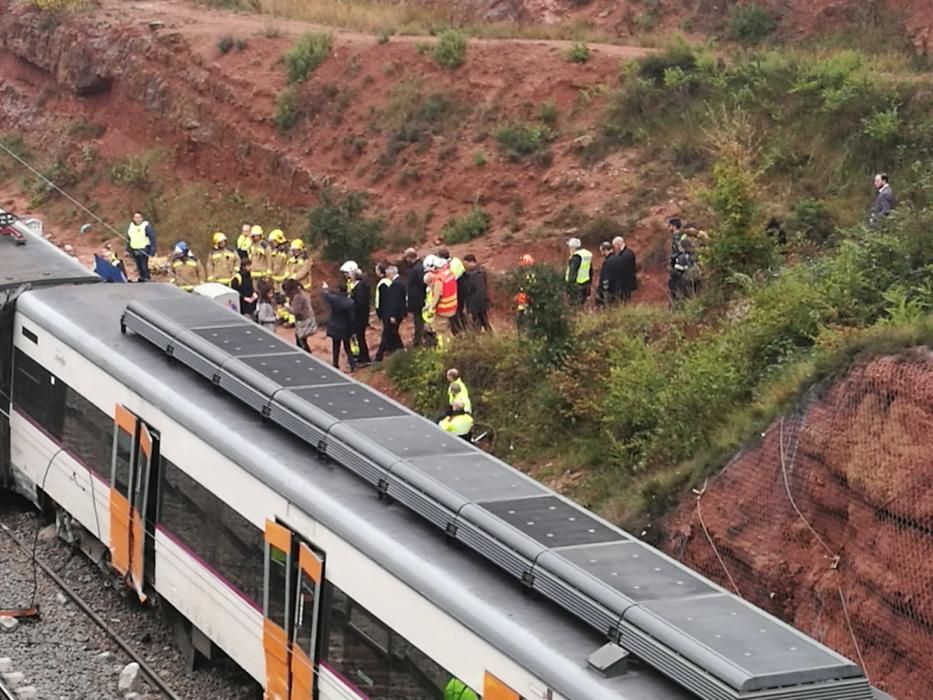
<point>135,447</point>
<point>294,574</point>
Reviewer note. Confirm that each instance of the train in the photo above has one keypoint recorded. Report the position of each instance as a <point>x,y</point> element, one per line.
<point>328,540</point>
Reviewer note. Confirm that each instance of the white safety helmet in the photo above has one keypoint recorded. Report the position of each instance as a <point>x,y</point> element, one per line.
<point>431,262</point>
<point>349,267</point>
<point>573,243</point>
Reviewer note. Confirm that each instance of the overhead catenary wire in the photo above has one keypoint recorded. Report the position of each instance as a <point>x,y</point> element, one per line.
<point>61,191</point>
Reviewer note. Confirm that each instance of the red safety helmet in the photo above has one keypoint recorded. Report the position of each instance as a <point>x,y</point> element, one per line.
<point>526,260</point>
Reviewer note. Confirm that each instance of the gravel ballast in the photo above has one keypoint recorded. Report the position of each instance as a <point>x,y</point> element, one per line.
<point>64,655</point>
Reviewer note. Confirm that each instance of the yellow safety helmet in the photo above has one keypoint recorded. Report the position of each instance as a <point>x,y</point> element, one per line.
<point>278,236</point>
<point>298,245</point>
<point>256,230</point>
<point>219,238</point>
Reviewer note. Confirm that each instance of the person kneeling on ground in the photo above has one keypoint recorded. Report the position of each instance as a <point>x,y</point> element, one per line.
<point>457,422</point>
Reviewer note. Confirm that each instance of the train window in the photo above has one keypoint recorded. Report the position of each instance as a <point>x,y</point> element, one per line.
<point>230,544</point>
<point>39,394</point>
<point>121,475</point>
<point>278,587</point>
<point>380,662</point>
<point>29,335</point>
<point>88,433</point>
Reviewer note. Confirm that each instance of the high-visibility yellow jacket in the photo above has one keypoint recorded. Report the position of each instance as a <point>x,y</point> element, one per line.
<point>463,395</point>
<point>222,265</point>
<point>458,424</point>
<point>187,273</point>
<point>585,271</point>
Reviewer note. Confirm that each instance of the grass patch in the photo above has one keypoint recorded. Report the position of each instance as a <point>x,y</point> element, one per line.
<point>307,55</point>
<point>578,53</point>
<point>134,170</point>
<point>466,228</point>
<point>288,109</point>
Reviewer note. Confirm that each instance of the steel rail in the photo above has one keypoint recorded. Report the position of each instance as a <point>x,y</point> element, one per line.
<point>5,692</point>
<point>79,601</point>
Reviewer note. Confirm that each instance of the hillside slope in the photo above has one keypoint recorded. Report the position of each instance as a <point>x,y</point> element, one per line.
<point>855,460</point>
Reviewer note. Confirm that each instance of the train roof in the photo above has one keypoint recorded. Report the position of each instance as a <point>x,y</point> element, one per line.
<point>38,263</point>
<point>551,644</point>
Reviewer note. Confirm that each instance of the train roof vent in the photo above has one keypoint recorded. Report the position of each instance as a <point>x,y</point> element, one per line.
<point>642,601</point>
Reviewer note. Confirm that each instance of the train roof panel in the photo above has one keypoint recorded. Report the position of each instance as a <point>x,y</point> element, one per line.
<point>550,643</point>
<point>38,263</point>
<point>521,535</point>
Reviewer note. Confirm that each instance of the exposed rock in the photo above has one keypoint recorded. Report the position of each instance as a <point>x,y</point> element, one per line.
<point>14,678</point>
<point>6,664</point>
<point>129,678</point>
<point>27,692</point>
<point>8,624</point>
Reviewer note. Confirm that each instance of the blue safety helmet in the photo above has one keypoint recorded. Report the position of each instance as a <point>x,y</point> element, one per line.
<point>181,248</point>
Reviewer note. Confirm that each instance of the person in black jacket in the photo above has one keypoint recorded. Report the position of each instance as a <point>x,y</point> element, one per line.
<point>416,292</point>
<point>242,282</point>
<point>625,279</point>
<point>391,312</point>
<point>361,296</point>
<point>340,325</point>
<point>602,291</point>
<point>477,293</point>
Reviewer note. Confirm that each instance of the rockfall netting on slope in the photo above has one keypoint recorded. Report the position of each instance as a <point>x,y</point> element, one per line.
<point>828,521</point>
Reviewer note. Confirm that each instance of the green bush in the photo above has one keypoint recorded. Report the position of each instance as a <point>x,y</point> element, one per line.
<point>548,114</point>
<point>812,219</point>
<point>578,53</point>
<point>479,159</point>
<point>678,54</point>
<point>225,43</point>
<point>287,109</point>
<point>521,140</point>
<point>338,224</point>
<point>751,23</point>
<point>467,227</point>
<point>305,56</point>
<point>882,127</point>
<point>450,50</point>
<point>132,171</point>
<point>546,324</point>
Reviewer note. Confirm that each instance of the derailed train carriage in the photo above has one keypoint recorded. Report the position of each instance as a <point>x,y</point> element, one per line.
<point>331,542</point>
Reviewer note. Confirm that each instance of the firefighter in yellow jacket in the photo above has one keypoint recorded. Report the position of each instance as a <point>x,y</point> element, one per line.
<point>299,265</point>
<point>258,254</point>
<point>278,259</point>
<point>187,272</point>
<point>223,263</point>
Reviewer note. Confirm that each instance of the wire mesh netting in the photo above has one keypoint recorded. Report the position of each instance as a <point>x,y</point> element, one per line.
<point>828,521</point>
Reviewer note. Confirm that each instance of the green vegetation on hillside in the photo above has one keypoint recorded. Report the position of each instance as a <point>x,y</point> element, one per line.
<point>812,125</point>
<point>649,400</point>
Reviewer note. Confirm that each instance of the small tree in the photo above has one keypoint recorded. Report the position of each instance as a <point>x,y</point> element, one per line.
<point>546,322</point>
<point>739,245</point>
<point>340,227</point>
<point>450,50</point>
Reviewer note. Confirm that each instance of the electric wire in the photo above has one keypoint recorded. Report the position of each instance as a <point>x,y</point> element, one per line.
<point>62,192</point>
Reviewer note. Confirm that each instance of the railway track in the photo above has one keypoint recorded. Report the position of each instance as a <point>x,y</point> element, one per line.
<point>154,679</point>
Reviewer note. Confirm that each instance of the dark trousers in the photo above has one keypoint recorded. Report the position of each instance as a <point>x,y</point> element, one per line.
<point>360,336</point>
<point>142,264</point>
<point>390,341</point>
<point>335,345</point>
<point>481,321</point>
<point>418,320</point>
<point>578,294</point>
<point>302,343</point>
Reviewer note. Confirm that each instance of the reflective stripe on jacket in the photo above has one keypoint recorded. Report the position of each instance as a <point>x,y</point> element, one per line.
<point>187,273</point>
<point>447,304</point>
<point>222,266</point>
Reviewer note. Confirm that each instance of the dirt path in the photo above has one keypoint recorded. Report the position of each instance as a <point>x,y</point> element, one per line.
<point>198,22</point>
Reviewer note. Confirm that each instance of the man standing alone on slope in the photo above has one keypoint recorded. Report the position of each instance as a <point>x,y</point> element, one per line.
<point>140,244</point>
<point>885,200</point>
